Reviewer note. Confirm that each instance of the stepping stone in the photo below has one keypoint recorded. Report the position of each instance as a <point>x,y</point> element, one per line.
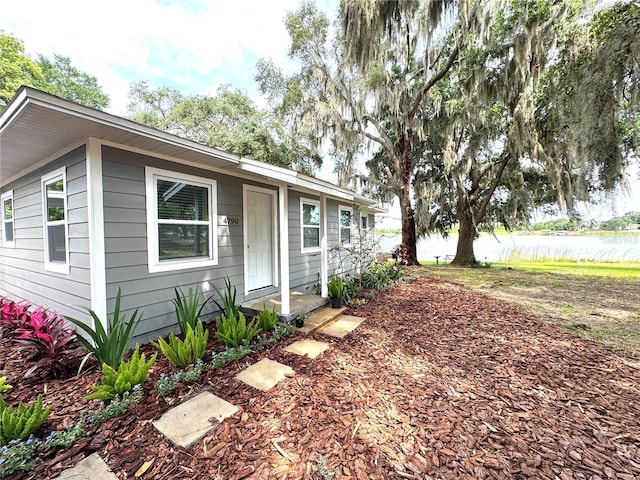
<point>342,326</point>
<point>265,374</point>
<point>311,348</point>
<point>190,421</point>
<point>91,468</point>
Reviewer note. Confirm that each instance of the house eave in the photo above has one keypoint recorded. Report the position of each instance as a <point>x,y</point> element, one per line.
<point>36,124</point>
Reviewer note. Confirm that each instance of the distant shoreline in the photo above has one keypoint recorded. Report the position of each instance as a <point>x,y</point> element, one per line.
<point>500,232</point>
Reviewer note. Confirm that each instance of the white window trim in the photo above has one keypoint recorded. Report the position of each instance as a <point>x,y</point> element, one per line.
<point>45,180</point>
<point>316,203</point>
<point>154,263</point>
<point>344,208</point>
<point>8,196</point>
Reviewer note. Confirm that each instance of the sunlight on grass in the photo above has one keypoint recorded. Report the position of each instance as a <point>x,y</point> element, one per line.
<point>627,270</point>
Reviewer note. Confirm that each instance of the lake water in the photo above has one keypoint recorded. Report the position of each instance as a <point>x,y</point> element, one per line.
<point>493,249</point>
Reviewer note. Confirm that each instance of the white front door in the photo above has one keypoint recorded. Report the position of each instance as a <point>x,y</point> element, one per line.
<point>259,239</point>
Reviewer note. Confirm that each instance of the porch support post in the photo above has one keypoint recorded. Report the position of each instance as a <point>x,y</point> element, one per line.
<point>283,215</point>
<point>95,222</point>
<point>324,256</point>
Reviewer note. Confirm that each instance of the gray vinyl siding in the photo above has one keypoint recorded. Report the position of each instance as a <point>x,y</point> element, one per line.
<point>304,268</point>
<point>126,243</point>
<point>22,273</point>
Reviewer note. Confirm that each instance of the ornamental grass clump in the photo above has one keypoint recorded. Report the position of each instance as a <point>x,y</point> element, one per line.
<point>20,422</point>
<point>118,382</point>
<point>108,346</point>
<point>226,302</point>
<point>234,331</point>
<point>184,352</point>
<point>188,309</point>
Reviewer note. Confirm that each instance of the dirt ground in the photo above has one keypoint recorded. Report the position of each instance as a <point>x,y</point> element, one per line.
<point>440,382</point>
<point>600,308</point>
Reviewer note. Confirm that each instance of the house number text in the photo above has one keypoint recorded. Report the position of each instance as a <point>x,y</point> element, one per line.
<point>227,220</point>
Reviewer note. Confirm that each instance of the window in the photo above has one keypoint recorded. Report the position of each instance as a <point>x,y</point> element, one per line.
<point>310,225</point>
<point>54,205</point>
<point>7,219</point>
<point>345,214</point>
<point>180,221</point>
<point>364,222</point>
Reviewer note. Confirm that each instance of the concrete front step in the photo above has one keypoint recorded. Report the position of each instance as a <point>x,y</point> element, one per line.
<point>320,317</point>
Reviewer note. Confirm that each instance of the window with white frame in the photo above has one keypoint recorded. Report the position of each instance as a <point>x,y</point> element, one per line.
<point>364,225</point>
<point>7,219</point>
<point>181,214</point>
<point>54,205</point>
<point>310,224</point>
<point>345,215</point>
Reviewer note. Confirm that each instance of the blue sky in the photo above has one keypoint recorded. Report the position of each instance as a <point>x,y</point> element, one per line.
<point>192,45</point>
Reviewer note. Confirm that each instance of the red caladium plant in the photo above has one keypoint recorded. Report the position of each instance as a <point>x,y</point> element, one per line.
<point>52,337</point>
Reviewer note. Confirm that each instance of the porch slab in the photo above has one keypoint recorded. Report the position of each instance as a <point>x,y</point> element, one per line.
<point>342,326</point>
<point>320,317</point>
<point>308,347</point>
<point>265,374</point>
<point>91,468</point>
<point>190,421</point>
<point>300,303</point>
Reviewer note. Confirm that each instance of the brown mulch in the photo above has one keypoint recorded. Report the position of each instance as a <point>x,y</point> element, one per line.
<point>439,382</point>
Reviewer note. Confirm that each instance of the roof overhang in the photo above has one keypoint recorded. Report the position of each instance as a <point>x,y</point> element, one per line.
<point>36,125</point>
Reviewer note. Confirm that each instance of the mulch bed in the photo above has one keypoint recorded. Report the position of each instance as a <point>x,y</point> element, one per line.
<point>439,382</point>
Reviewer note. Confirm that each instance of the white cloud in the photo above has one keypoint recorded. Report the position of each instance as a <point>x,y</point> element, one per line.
<point>193,45</point>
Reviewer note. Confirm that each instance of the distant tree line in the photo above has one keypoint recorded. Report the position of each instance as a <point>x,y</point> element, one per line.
<point>623,222</point>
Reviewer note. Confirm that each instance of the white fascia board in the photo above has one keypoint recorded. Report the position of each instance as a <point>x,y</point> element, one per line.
<point>54,103</point>
<point>12,111</point>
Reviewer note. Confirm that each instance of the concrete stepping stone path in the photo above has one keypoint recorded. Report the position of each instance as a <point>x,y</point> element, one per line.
<point>91,468</point>
<point>265,374</point>
<point>342,326</point>
<point>190,421</point>
<point>311,348</point>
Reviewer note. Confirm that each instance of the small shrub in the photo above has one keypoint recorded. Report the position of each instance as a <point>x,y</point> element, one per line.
<point>12,315</point>
<point>4,386</point>
<point>267,319</point>
<point>335,287</point>
<point>18,423</point>
<point>109,346</point>
<point>233,331</point>
<point>377,276</point>
<point>188,309</point>
<point>53,339</point>
<point>184,352</point>
<point>117,382</point>
<point>226,302</point>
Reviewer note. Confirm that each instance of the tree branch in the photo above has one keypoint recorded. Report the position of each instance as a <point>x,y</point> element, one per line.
<point>494,184</point>
<point>435,79</point>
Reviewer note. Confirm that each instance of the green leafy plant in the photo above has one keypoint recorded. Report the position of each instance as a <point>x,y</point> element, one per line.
<point>18,423</point>
<point>234,330</point>
<point>117,406</point>
<point>108,346</point>
<point>184,352</point>
<point>226,302</point>
<point>4,386</point>
<point>335,286</point>
<point>117,382</point>
<point>67,437</point>
<point>18,455</point>
<point>188,308</point>
<point>267,319</point>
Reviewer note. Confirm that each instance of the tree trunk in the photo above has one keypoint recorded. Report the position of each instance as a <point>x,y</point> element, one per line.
<point>407,215</point>
<point>466,236</point>
<point>408,227</point>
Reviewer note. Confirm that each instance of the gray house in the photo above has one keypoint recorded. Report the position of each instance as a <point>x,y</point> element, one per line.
<point>92,202</point>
